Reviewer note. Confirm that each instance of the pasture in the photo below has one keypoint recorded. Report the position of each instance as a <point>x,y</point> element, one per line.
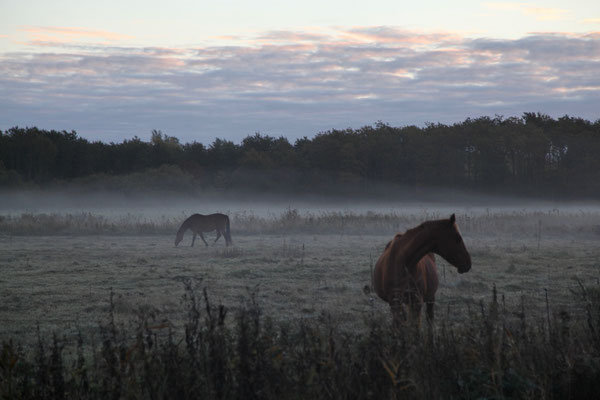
<point>103,305</point>
<point>58,269</point>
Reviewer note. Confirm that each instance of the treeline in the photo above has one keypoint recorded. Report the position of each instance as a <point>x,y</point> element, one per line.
<point>532,155</point>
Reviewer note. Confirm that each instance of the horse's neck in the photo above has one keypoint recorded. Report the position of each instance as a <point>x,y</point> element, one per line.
<point>185,226</point>
<point>417,245</point>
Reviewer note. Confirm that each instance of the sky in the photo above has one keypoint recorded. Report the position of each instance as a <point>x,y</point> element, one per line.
<point>200,70</point>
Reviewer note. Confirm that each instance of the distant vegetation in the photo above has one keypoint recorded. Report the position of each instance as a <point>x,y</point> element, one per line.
<point>577,223</point>
<point>534,155</point>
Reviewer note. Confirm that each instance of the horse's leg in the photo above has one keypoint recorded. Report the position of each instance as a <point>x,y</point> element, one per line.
<point>430,311</point>
<point>218,235</point>
<point>432,286</point>
<point>202,237</point>
<point>430,324</point>
<point>415,308</point>
<point>194,238</point>
<point>397,307</point>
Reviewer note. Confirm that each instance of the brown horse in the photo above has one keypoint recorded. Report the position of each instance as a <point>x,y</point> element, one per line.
<point>199,223</point>
<point>406,272</point>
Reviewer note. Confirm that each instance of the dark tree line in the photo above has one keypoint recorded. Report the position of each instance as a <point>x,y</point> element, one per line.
<point>534,155</point>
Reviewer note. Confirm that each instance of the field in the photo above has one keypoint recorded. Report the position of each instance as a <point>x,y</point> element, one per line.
<point>72,274</point>
<point>58,269</point>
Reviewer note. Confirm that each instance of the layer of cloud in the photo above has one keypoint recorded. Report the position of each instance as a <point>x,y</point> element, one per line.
<point>298,83</point>
<point>52,36</point>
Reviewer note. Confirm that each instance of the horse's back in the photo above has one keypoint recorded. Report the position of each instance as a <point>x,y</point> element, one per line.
<point>207,223</point>
<point>219,219</point>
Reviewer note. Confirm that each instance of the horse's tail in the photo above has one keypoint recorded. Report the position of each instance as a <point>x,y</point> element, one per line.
<point>227,231</point>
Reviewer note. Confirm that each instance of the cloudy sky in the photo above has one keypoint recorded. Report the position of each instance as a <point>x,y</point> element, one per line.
<point>199,70</point>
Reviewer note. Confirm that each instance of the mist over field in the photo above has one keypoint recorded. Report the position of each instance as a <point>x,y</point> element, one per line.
<point>153,204</point>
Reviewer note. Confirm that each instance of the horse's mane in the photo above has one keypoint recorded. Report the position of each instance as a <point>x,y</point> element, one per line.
<point>427,225</point>
<point>403,238</point>
<point>422,226</point>
<point>409,233</point>
<point>184,226</point>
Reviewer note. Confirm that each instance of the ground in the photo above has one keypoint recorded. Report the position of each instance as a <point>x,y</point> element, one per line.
<point>63,282</point>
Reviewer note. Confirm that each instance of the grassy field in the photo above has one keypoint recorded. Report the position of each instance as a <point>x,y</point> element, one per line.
<point>58,269</point>
<point>102,306</point>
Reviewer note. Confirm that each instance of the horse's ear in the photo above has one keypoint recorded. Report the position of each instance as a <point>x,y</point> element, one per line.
<point>452,219</point>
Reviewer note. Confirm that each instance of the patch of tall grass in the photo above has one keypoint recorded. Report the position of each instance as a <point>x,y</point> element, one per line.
<point>247,356</point>
<point>537,225</point>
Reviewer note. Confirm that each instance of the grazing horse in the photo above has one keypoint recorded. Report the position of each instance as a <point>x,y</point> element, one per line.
<point>199,223</point>
<point>406,272</point>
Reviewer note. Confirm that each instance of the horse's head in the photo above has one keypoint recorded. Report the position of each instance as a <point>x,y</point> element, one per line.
<point>451,246</point>
<point>178,238</point>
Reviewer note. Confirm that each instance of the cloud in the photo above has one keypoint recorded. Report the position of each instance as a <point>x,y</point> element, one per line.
<point>298,83</point>
<point>49,36</point>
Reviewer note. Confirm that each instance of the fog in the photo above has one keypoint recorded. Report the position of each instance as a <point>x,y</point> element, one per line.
<point>152,205</point>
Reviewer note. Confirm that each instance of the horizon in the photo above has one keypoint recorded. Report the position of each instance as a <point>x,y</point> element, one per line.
<point>292,141</point>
